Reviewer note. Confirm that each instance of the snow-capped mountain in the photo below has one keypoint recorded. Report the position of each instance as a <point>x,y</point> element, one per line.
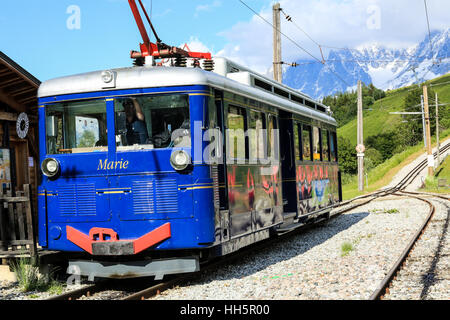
<point>384,67</point>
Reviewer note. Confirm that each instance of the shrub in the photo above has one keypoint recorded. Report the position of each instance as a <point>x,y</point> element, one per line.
<point>372,158</point>
<point>27,273</point>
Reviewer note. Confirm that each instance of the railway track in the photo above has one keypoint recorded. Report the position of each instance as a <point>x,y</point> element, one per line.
<point>154,288</point>
<point>383,288</point>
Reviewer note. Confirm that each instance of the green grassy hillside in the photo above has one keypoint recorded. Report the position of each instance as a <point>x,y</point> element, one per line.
<point>379,120</point>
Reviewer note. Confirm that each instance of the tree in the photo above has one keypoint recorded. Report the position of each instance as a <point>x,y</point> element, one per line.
<point>385,143</point>
<point>344,105</point>
<point>347,156</point>
<point>372,158</point>
<point>410,132</point>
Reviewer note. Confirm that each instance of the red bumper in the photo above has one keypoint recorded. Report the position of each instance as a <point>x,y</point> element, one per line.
<point>101,241</point>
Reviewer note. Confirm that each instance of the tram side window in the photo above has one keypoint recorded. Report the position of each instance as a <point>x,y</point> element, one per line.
<point>272,137</point>
<point>256,135</point>
<point>148,122</point>
<point>76,127</point>
<point>236,132</point>
<point>306,143</point>
<point>325,145</point>
<point>333,144</point>
<point>297,141</point>
<point>316,144</point>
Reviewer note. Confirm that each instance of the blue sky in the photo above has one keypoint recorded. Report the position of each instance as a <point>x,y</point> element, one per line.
<point>35,34</point>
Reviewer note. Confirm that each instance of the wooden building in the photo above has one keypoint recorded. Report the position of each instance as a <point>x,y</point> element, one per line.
<point>19,154</point>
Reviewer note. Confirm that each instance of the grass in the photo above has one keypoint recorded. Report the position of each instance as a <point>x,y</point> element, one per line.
<point>442,172</point>
<point>27,273</point>
<point>29,278</point>
<point>391,211</point>
<point>346,248</point>
<point>382,175</point>
<point>384,211</point>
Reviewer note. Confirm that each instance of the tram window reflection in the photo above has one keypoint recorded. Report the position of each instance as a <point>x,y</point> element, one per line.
<point>333,152</point>
<point>316,144</point>
<point>306,142</point>
<point>149,122</point>
<point>325,154</point>
<point>76,127</point>
<point>256,135</point>
<point>236,132</point>
<point>297,142</point>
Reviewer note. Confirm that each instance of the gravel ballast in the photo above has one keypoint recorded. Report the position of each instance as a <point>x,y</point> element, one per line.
<point>426,274</point>
<point>312,265</point>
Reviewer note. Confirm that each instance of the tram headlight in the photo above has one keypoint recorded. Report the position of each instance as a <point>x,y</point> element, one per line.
<point>180,160</point>
<point>107,76</point>
<point>50,167</point>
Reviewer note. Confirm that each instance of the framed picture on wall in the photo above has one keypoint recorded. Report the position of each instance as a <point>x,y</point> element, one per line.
<point>5,169</point>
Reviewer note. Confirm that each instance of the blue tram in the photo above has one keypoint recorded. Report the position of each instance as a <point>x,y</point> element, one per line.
<point>151,170</point>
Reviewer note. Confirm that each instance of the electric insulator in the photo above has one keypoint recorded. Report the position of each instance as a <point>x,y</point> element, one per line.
<point>208,65</point>
<point>181,62</point>
<point>196,63</point>
<point>139,62</point>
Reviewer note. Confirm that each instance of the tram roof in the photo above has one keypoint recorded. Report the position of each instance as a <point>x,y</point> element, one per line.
<point>155,77</point>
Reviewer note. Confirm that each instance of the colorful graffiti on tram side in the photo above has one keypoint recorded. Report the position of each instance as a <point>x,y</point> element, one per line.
<point>317,186</point>
<point>252,195</point>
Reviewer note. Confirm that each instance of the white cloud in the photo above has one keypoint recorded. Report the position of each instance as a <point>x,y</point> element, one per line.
<point>207,7</point>
<point>346,23</point>
<point>196,45</point>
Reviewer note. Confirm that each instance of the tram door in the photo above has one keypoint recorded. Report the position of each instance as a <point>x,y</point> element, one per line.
<point>219,171</point>
<point>287,156</point>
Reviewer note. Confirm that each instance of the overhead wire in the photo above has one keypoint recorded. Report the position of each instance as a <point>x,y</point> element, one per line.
<point>429,30</point>
<point>295,43</point>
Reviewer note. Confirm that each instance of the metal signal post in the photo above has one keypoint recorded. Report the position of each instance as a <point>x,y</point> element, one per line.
<point>428,132</point>
<point>360,147</point>
<point>437,132</point>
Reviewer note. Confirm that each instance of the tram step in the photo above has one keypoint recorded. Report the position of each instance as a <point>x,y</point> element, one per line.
<point>288,228</point>
<point>289,215</point>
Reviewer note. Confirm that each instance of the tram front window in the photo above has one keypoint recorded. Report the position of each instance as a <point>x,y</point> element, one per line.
<point>148,122</point>
<point>76,127</point>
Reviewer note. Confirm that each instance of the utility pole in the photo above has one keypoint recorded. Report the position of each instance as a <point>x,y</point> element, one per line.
<point>423,123</point>
<point>437,131</point>
<point>360,147</point>
<point>277,66</point>
<point>428,132</point>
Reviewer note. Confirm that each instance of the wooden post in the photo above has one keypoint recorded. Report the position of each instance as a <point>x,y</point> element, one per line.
<point>3,229</point>
<point>428,132</point>
<point>30,222</point>
<point>437,132</point>
<point>423,123</point>
<point>277,67</point>
<point>360,147</point>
